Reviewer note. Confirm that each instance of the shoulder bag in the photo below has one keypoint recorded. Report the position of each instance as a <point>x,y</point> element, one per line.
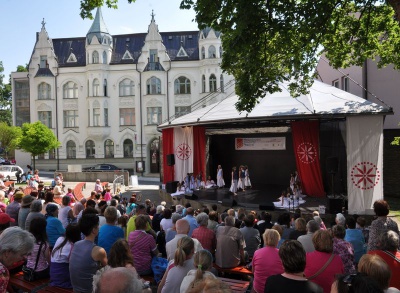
<point>322,269</point>
<point>29,274</point>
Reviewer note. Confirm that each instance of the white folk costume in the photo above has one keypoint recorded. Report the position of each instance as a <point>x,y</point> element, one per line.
<point>220,178</point>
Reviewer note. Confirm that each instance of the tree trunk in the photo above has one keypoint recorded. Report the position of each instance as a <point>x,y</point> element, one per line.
<point>396,7</point>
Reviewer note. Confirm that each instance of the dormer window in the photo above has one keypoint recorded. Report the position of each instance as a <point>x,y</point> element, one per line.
<point>95,57</point>
<point>211,52</point>
<point>43,61</point>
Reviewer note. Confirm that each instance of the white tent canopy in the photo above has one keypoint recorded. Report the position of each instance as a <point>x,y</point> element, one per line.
<point>323,100</point>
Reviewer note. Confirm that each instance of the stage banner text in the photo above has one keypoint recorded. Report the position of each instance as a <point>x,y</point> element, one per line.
<point>260,143</point>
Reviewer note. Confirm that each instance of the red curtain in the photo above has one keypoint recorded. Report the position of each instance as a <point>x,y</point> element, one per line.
<point>199,152</point>
<point>168,148</point>
<point>306,150</point>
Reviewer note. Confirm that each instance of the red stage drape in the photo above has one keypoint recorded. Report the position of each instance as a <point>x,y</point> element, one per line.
<point>306,150</point>
<point>168,148</point>
<point>199,152</point>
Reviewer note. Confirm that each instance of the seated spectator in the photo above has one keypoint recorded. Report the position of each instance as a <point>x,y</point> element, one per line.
<point>266,261</point>
<point>58,189</point>
<point>120,255</point>
<point>13,208</point>
<point>205,236</point>
<point>191,219</point>
<point>355,283</point>
<point>140,210</point>
<point>361,225</point>
<point>182,264</point>
<point>182,230</point>
<point>388,251</point>
<point>54,228</point>
<point>322,265</point>
<point>166,221</point>
<point>131,206</point>
<point>35,212</point>
<point>212,220</point>
<point>109,233</point>
<point>86,258</point>
<point>340,219</point>
<point>293,258</point>
<point>210,285</point>
<point>230,245</point>
<point>171,232</point>
<point>203,263</point>
<point>48,198</point>
<point>143,246</point>
<point>306,240</point>
<point>65,214</point>
<point>98,188</point>
<point>343,248</point>
<point>158,216</point>
<point>24,210</point>
<point>251,236</point>
<point>284,220</point>
<point>59,265</point>
<point>381,224</point>
<point>5,221</point>
<point>300,229</point>
<point>375,267</point>
<point>15,245</point>
<point>41,249</point>
<point>321,223</point>
<point>116,280</point>
<point>356,238</point>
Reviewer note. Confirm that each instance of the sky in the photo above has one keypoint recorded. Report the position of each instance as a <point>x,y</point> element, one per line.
<point>21,19</point>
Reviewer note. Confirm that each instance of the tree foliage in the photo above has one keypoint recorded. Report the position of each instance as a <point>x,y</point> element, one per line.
<point>37,139</point>
<point>5,98</point>
<point>88,5</point>
<point>9,136</point>
<point>269,41</point>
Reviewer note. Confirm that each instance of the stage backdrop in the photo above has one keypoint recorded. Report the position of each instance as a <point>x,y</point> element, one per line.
<point>188,146</point>
<point>364,162</point>
<point>306,145</point>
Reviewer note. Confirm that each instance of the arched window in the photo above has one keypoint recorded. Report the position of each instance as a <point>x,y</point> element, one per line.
<point>109,149</point>
<point>211,52</point>
<point>153,86</point>
<point>96,88</point>
<point>213,83</point>
<point>203,53</point>
<point>90,149</point>
<point>203,84</point>
<point>221,83</point>
<point>105,87</point>
<point>104,57</point>
<point>220,52</point>
<point>95,57</point>
<point>182,85</point>
<point>128,148</point>
<point>44,91</point>
<point>70,90</point>
<point>126,88</point>
<point>71,150</point>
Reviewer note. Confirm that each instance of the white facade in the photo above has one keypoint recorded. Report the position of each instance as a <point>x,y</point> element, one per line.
<point>104,102</point>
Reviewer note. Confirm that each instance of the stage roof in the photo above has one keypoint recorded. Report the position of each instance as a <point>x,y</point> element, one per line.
<point>323,102</point>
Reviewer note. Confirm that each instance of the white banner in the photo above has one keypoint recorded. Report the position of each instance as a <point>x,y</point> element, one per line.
<point>364,162</point>
<point>183,150</point>
<point>260,143</point>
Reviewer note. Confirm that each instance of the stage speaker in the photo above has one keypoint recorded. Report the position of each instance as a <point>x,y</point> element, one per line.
<point>267,207</point>
<point>229,202</point>
<point>171,186</point>
<point>335,205</point>
<point>170,159</point>
<point>191,196</point>
<point>332,165</point>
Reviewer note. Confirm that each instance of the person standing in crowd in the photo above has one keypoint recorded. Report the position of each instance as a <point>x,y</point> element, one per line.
<point>15,245</point>
<point>220,177</point>
<point>86,257</point>
<point>234,181</point>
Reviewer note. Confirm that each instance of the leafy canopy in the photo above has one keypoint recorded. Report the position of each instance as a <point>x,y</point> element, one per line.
<point>9,136</point>
<point>269,41</point>
<point>37,139</point>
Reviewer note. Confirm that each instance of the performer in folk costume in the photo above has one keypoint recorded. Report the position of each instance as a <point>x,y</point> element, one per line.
<point>247,182</point>
<point>240,184</point>
<point>235,178</point>
<point>187,182</point>
<point>192,181</point>
<point>292,181</point>
<point>297,178</point>
<point>220,177</point>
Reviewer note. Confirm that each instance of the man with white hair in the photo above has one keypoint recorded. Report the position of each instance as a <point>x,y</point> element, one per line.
<point>182,230</point>
<point>340,219</point>
<point>117,280</point>
<point>205,236</point>
<point>230,245</point>
<point>306,240</point>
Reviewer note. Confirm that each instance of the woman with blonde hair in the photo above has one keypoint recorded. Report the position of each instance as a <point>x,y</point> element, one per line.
<point>179,267</point>
<point>203,261</point>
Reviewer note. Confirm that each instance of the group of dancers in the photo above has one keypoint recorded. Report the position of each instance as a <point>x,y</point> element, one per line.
<point>292,196</point>
<point>240,179</point>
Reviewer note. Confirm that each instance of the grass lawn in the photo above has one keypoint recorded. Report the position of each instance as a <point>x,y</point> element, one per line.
<point>394,204</point>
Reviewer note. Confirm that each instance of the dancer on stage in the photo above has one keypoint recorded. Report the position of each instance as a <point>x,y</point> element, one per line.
<point>292,181</point>
<point>242,177</point>
<point>247,182</point>
<point>235,178</point>
<point>220,177</point>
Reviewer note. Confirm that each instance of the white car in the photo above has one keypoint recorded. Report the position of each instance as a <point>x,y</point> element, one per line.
<point>9,172</point>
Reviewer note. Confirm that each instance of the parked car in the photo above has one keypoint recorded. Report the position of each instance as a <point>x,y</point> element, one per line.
<point>9,171</point>
<point>100,167</point>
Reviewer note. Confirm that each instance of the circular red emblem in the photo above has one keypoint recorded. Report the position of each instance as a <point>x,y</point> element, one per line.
<point>365,175</point>
<point>183,151</point>
<point>306,152</point>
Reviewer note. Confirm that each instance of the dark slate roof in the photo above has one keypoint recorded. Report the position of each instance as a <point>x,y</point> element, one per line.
<point>64,47</point>
<point>133,42</point>
<point>46,72</point>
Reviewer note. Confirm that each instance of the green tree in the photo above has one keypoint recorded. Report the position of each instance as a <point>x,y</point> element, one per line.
<point>269,41</point>
<point>9,137</point>
<point>37,139</point>
<point>5,98</point>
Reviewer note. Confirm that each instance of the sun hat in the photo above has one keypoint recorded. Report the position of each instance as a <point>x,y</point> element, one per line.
<point>26,201</point>
<point>18,195</point>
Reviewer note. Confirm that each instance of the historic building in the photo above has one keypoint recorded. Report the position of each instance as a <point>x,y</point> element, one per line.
<point>103,95</point>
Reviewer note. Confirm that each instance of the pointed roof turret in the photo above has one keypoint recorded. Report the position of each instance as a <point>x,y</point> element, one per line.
<point>99,29</point>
